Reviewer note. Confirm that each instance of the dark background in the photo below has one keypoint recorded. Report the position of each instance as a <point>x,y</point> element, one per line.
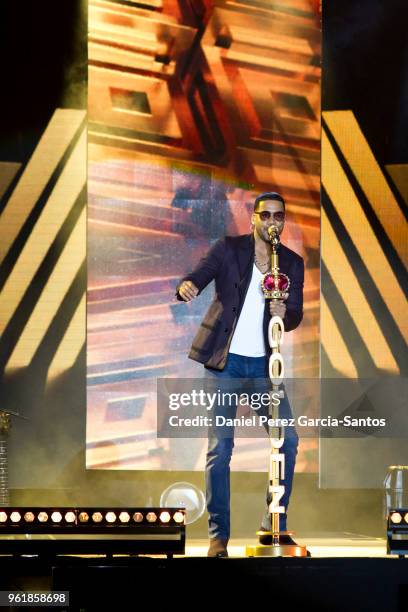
<point>44,66</point>
<point>365,68</point>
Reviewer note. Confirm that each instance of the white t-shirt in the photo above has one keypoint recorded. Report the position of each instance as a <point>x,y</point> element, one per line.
<point>248,336</point>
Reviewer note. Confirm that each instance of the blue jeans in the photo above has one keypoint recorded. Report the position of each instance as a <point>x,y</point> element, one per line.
<point>220,447</point>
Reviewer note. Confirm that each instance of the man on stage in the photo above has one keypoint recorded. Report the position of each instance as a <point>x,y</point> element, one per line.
<point>232,343</point>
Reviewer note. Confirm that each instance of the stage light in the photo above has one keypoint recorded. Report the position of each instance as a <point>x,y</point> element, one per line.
<point>70,517</point>
<point>124,517</point>
<point>110,517</point>
<point>184,495</point>
<point>395,488</point>
<point>396,517</point>
<point>165,517</point>
<point>111,531</point>
<point>397,532</point>
<point>178,517</point>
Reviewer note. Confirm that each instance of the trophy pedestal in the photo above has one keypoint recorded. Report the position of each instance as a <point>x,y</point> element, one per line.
<point>276,550</point>
<point>279,550</point>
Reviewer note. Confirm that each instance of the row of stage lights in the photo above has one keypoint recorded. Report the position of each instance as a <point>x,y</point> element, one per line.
<point>84,517</point>
<point>397,532</point>
<point>398,517</point>
<point>92,530</point>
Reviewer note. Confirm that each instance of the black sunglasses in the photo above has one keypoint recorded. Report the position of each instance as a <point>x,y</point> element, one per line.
<point>266,215</point>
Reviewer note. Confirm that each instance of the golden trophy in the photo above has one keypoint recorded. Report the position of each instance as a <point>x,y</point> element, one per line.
<point>275,286</point>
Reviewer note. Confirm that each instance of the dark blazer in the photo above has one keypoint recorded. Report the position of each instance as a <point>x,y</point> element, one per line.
<point>230,263</point>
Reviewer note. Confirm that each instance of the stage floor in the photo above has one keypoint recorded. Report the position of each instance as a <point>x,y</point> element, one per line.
<point>346,572</point>
<point>323,546</point>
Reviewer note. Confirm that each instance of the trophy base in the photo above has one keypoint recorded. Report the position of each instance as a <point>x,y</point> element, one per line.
<point>277,550</point>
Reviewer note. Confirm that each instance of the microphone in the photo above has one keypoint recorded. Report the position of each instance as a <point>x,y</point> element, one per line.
<point>273,234</point>
<point>272,231</point>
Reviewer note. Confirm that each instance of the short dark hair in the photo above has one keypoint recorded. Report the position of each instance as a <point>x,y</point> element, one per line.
<point>269,195</point>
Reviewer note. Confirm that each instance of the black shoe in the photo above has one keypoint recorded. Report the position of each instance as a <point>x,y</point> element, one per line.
<point>287,540</point>
<point>218,548</point>
<point>283,539</point>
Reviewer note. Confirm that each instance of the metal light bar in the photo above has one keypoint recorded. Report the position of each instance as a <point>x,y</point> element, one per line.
<point>87,530</point>
<point>397,532</point>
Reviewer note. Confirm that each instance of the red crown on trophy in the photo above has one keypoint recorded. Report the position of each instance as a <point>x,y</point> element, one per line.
<point>275,285</point>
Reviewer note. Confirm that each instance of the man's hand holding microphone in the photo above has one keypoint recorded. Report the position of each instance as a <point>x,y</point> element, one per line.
<point>277,308</point>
